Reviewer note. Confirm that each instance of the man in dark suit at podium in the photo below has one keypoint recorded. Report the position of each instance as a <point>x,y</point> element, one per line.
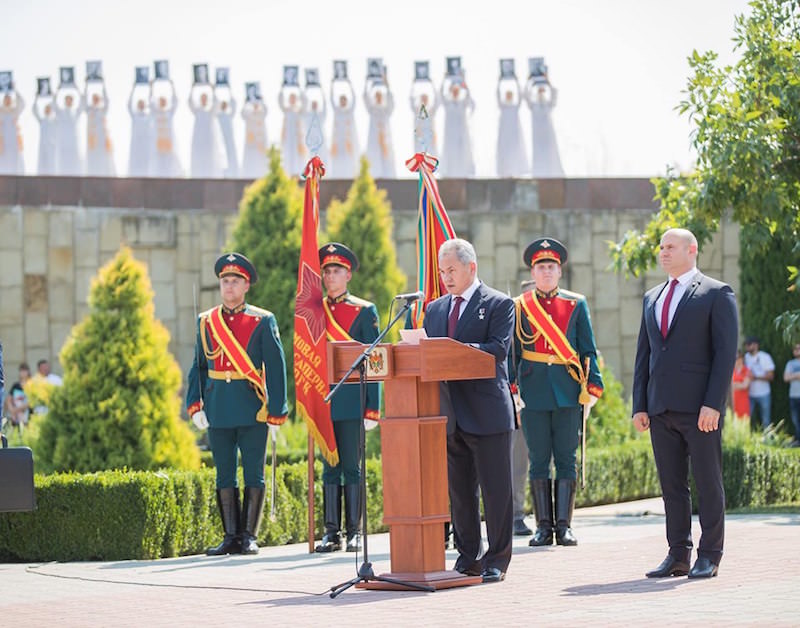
<point>480,413</point>
<point>684,362</point>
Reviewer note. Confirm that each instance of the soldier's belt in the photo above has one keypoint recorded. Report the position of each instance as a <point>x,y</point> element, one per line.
<point>228,376</point>
<point>546,358</point>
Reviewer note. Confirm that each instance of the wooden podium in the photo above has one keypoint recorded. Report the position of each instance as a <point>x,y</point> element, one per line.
<point>414,449</point>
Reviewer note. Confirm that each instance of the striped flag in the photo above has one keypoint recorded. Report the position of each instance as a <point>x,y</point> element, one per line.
<point>433,228</point>
<point>310,333</point>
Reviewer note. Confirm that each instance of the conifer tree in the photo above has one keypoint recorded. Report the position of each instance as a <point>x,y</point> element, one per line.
<point>268,232</point>
<point>120,404</point>
<point>363,222</point>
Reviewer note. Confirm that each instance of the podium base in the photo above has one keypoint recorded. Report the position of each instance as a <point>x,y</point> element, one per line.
<point>436,579</point>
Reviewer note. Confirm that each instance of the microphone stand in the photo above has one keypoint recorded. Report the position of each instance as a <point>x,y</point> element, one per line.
<point>365,572</point>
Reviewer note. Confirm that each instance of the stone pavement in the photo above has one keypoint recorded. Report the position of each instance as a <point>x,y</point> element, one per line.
<point>599,582</point>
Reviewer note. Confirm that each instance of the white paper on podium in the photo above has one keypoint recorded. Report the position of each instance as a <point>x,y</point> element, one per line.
<point>412,336</point>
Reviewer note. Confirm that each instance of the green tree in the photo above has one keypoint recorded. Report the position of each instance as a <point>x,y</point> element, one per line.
<point>763,274</point>
<point>747,138</point>
<point>120,404</point>
<point>363,222</point>
<point>268,231</point>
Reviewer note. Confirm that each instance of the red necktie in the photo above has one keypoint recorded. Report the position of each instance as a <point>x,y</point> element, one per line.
<point>665,309</point>
<point>452,320</point>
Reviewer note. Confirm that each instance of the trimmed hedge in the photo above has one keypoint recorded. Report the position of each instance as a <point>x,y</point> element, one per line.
<point>118,515</point>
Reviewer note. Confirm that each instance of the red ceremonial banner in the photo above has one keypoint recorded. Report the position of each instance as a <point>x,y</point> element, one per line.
<point>310,333</point>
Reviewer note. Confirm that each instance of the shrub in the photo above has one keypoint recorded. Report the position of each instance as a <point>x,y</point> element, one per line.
<point>119,405</point>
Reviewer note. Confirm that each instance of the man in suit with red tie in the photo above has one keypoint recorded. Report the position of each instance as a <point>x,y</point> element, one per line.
<point>684,362</point>
<point>480,412</point>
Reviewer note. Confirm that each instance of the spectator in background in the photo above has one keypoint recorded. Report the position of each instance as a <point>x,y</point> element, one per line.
<point>16,404</point>
<point>762,370</point>
<point>43,371</point>
<point>740,385</point>
<point>791,375</point>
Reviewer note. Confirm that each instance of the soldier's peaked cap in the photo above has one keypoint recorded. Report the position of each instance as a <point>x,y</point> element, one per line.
<point>235,264</point>
<point>545,249</point>
<point>337,253</point>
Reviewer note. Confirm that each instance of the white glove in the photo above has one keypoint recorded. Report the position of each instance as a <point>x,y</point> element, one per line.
<point>200,420</point>
<point>592,401</point>
<point>369,424</point>
<point>519,404</point>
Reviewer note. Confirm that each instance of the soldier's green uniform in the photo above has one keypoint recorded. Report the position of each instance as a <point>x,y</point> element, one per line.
<point>347,318</point>
<point>551,327</point>
<point>238,402</point>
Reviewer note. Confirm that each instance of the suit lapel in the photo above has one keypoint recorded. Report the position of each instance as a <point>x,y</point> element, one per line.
<point>651,308</point>
<point>469,310</point>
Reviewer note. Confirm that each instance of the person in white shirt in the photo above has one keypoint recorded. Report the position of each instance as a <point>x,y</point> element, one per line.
<point>762,371</point>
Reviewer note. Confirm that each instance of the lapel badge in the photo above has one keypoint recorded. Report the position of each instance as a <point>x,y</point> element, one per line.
<point>482,313</point>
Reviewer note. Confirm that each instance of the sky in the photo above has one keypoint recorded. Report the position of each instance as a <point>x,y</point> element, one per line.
<point>619,65</point>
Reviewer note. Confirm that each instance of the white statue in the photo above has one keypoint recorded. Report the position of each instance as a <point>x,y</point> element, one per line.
<point>68,106</point>
<point>293,147</point>
<point>423,94</point>
<point>541,97</point>
<point>99,150</point>
<point>141,125</point>
<point>457,159</point>
<point>164,161</point>
<point>512,158</point>
<point>344,141</point>
<point>315,105</point>
<point>45,113</point>
<point>11,105</point>
<point>380,149</point>
<point>206,160</point>
<point>254,155</point>
<point>224,110</point>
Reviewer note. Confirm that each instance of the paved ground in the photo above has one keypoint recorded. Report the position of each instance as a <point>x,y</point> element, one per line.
<point>598,583</point>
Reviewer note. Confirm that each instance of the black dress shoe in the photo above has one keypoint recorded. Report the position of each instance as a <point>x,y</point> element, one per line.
<point>472,570</point>
<point>492,574</point>
<point>520,529</point>
<point>703,568</point>
<point>670,566</point>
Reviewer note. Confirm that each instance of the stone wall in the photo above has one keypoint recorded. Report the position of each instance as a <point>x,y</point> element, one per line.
<point>56,232</point>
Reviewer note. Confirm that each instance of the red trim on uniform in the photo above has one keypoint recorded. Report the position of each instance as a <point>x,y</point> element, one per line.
<point>594,390</point>
<point>276,420</point>
<point>336,259</point>
<point>195,407</point>
<point>372,415</point>
<point>545,254</point>
<point>234,269</point>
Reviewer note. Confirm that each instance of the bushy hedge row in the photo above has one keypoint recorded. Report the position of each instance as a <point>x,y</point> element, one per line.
<point>119,515</point>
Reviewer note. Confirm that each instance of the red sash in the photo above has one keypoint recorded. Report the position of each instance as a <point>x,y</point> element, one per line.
<point>225,339</point>
<point>335,330</point>
<point>541,321</point>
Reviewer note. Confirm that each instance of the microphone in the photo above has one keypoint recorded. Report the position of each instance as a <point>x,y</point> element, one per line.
<point>410,297</point>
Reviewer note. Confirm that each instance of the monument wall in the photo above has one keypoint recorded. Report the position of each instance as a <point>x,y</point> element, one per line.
<point>56,232</point>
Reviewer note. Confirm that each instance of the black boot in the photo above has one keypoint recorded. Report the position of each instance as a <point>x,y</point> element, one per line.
<point>252,509</point>
<point>228,503</point>
<point>542,493</point>
<point>352,511</point>
<point>332,506</point>
<point>565,504</point>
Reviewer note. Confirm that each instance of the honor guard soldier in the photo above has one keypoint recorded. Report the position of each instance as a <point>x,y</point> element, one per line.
<point>237,386</point>
<point>347,318</point>
<point>556,374</point>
